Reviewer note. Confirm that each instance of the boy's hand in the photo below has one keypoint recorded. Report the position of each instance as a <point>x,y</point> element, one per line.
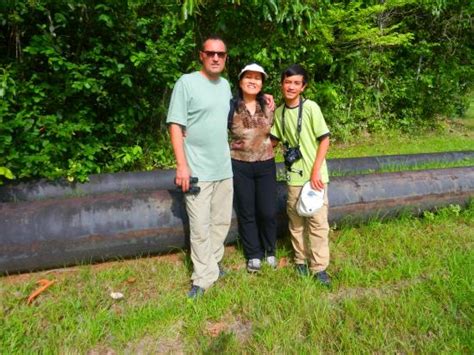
<point>269,101</point>
<point>317,182</point>
<point>316,178</point>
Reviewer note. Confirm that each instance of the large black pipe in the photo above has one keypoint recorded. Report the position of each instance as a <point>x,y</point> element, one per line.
<point>163,179</point>
<point>352,166</point>
<point>58,232</point>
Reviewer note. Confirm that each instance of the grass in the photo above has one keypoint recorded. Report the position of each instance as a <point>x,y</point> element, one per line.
<point>389,168</point>
<point>461,137</point>
<point>399,286</point>
<point>455,134</point>
<point>450,135</point>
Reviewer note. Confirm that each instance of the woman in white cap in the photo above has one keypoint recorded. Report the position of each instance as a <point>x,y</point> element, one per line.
<point>254,169</point>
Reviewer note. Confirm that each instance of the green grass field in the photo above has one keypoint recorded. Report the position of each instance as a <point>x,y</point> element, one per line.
<point>399,286</point>
<point>461,138</point>
<point>450,135</point>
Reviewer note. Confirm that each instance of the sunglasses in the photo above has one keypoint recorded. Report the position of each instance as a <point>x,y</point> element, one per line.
<point>211,54</point>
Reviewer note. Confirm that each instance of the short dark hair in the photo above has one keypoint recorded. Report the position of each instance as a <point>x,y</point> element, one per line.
<point>213,37</point>
<point>295,69</point>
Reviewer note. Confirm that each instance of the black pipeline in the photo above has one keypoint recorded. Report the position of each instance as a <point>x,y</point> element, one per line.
<point>163,179</point>
<point>79,229</point>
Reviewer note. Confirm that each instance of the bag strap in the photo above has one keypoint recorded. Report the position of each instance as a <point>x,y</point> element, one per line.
<point>232,108</point>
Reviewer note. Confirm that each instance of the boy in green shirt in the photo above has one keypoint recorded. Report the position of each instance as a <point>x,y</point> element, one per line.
<point>300,125</point>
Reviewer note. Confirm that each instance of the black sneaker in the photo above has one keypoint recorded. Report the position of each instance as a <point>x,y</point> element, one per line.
<point>302,269</point>
<point>195,292</point>
<point>222,271</point>
<point>323,278</point>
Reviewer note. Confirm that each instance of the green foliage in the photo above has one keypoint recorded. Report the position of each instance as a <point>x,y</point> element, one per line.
<point>5,173</point>
<point>85,85</point>
<point>376,65</point>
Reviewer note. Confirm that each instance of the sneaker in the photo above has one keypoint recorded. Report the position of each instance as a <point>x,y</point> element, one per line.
<point>323,278</point>
<point>272,261</point>
<point>222,271</point>
<point>302,269</point>
<point>195,292</point>
<point>254,265</point>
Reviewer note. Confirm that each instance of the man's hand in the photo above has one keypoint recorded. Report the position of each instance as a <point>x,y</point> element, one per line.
<point>269,101</point>
<point>183,175</point>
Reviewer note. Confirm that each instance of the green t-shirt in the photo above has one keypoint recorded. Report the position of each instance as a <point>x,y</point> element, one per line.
<point>313,127</point>
<point>201,106</point>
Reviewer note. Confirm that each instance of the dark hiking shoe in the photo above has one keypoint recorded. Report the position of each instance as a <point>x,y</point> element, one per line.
<point>222,271</point>
<point>302,269</point>
<point>195,292</point>
<point>323,278</point>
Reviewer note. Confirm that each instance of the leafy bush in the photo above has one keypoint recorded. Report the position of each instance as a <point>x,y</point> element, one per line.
<point>85,85</point>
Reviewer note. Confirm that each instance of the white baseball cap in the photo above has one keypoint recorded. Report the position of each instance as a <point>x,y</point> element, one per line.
<point>253,67</point>
<point>310,201</point>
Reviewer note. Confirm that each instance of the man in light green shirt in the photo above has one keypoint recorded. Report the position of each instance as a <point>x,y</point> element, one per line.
<point>197,120</point>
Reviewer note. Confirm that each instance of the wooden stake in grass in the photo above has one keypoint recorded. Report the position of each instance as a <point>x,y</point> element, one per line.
<point>44,284</point>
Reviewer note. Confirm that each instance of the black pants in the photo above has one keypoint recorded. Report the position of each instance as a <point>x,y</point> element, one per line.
<point>256,206</point>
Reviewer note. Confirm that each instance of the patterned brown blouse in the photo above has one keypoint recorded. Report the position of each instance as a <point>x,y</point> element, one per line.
<point>250,135</point>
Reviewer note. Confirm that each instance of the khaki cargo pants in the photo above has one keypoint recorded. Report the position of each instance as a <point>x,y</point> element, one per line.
<point>309,235</point>
<point>210,214</point>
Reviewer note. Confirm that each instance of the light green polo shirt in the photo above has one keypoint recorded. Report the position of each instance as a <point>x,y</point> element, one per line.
<point>201,106</point>
<point>313,127</point>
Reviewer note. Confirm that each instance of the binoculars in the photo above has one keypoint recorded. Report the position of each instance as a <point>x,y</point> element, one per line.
<point>193,189</point>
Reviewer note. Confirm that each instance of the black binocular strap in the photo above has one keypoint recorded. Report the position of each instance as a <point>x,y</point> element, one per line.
<point>300,121</point>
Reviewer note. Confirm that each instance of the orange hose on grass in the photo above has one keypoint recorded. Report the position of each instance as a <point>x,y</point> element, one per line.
<point>44,284</point>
